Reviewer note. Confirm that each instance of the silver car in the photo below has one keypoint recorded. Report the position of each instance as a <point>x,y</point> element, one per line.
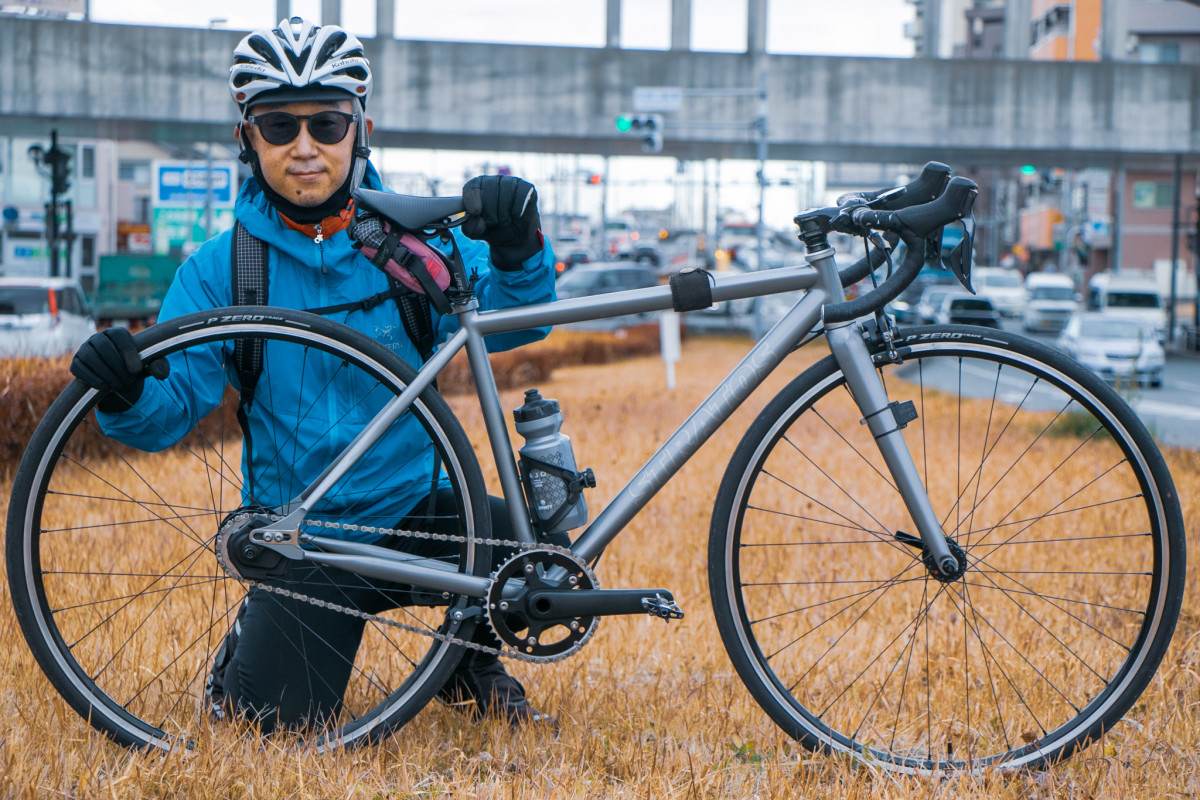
<point>1115,348</point>
<point>42,317</point>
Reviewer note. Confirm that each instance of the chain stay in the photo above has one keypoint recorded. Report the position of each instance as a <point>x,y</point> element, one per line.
<point>354,612</point>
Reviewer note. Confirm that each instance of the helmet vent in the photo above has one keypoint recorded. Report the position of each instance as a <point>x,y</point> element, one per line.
<point>330,47</point>
<point>265,50</point>
<point>358,73</point>
<point>299,61</point>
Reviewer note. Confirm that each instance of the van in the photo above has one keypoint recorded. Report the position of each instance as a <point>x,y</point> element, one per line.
<point>1001,286</point>
<point>1049,301</point>
<point>1128,296</point>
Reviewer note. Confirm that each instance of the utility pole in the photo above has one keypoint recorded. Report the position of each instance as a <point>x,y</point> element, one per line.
<point>761,124</point>
<point>54,164</point>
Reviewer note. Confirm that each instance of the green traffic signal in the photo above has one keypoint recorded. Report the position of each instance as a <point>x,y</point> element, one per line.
<point>1028,169</point>
<point>624,124</point>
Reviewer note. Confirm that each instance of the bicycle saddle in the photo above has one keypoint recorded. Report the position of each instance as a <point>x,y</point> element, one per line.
<point>409,212</point>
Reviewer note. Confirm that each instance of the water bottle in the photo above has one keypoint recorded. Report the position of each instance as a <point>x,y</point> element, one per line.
<point>553,486</point>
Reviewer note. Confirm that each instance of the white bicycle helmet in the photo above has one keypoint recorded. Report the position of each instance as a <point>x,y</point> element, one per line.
<point>299,61</point>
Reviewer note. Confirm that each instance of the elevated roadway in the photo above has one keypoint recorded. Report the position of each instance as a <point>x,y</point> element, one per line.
<point>169,84</point>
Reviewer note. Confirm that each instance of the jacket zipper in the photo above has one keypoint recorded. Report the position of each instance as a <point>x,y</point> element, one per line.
<point>320,237</point>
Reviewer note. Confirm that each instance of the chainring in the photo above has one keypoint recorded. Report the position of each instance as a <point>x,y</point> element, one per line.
<point>508,613</point>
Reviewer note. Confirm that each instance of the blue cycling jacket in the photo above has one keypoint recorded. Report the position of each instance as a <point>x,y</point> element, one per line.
<point>306,408</point>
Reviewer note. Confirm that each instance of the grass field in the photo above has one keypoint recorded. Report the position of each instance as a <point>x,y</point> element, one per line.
<point>648,709</point>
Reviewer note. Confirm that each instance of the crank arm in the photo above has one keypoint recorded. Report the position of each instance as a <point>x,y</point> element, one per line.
<point>564,603</point>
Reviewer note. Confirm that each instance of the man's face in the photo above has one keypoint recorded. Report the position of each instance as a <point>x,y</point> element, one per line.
<point>304,171</point>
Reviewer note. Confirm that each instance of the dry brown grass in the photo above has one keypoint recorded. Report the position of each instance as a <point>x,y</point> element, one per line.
<point>648,710</point>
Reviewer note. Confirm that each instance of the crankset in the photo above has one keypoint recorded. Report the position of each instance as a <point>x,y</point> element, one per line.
<point>546,604</point>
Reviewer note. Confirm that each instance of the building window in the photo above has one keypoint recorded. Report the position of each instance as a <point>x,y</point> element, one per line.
<point>1153,194</point>
<point>87,251</point>
<point>1158,52</point>
<point>87,162</point>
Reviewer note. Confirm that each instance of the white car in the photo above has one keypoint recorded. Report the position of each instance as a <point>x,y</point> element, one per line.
<point>42,317</point>
<point>1115,347</point>
<point>1128,296</point>
<point>1050,302</point>
<point>1003,287</point>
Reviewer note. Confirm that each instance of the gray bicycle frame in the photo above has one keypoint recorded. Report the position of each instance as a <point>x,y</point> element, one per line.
<point>822,285</point>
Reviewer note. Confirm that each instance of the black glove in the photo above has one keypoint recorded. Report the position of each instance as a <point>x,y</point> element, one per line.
<point>109,362</point>
<point>503,212</point>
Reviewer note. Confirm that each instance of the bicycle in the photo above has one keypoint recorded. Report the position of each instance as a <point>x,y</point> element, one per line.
<point>979,562</point>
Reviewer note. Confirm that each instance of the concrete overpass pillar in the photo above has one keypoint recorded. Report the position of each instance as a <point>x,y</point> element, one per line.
<point>331,12</point>
<point>1018,17</point>
<point>931,29</point>
<point>1114,30</point>
<point>681,24</point>
<point>385,19</point>
<point>283,9</point>
<point>612,35</point>
<point>756,27</point>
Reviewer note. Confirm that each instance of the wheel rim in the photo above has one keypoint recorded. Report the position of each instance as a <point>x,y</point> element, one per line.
<point>130,632</point>
<point>874,657</point>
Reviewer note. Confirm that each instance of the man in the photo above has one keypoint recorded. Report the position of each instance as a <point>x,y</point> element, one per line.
<point>302,92</point>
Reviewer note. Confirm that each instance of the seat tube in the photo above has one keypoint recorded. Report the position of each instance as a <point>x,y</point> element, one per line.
<point>866,387</point>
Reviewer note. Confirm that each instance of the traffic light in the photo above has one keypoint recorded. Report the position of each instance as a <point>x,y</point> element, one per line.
<point>647,126</point>
<point>59,161</point>
<point>595,179</point>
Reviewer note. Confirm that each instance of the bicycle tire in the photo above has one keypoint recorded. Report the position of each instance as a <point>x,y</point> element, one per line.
<point>127,634</point>
<point>1071,530</point>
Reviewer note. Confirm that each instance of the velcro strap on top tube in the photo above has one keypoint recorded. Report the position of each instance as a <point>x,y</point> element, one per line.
<point>691,289</point>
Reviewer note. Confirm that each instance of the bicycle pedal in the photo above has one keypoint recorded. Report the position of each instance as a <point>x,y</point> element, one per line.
<point>662,607</point>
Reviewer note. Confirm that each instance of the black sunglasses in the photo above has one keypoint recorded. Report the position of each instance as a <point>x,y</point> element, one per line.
<point>280,127</point>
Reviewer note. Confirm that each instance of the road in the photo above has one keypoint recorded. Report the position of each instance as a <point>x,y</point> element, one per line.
<point>1171,413</point>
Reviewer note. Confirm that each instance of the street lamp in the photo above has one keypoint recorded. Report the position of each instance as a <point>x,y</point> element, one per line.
<point>55,165</point>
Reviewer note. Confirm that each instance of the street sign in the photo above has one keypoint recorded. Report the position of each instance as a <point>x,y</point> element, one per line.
<point>660,99</point>
<point>185,183</point>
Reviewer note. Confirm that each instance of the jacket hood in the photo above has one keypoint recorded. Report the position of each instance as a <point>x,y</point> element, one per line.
<point>262,220</point>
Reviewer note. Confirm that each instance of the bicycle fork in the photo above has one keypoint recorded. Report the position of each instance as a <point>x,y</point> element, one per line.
<point>884,420</point>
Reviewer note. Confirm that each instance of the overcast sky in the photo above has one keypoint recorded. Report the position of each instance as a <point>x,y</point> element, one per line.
<point>842,27</point>
<point>846,27</point>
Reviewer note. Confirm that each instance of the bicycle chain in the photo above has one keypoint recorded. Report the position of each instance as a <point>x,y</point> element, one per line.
<point>354,612</point>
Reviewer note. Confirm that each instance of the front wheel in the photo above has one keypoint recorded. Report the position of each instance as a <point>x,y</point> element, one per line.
<point>1043,479</point>
<point>114,552</point>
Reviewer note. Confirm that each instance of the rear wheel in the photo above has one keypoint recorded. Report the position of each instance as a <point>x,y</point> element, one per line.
<point>112,551</point>
<point>1043,479</point>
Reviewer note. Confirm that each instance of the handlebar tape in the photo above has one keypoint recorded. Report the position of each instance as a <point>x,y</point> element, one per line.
<point>927,186</point>
<point>913,224</point>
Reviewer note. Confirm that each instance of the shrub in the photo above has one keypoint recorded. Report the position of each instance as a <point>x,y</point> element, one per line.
<point>29,385</point>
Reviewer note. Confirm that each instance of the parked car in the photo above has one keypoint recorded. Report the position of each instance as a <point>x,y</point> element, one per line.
<point>931,300</point>
<point>960,308</point>
<point>1114,347</point>
<point>904,307</point>
<point>569,259</point>
<point>1003,287</point>
<point>42,317</point>
<point>1049,303</point>
<point>648,255</point>
<point>1128,296</point>
<point>607,276</point>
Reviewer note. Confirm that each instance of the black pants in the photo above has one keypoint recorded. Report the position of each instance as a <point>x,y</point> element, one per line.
<point>293,660</point>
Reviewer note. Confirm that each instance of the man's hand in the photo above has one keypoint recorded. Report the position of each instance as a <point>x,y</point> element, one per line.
<point>109,362</point>
<point>503,212</point>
